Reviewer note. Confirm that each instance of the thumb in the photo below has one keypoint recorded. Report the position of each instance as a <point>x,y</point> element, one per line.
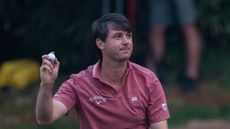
<point>56,64</point>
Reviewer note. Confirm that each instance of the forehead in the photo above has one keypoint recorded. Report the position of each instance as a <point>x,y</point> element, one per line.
<point>112,30</point>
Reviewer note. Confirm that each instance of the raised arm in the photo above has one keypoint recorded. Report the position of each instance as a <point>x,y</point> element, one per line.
<point>47,109</point>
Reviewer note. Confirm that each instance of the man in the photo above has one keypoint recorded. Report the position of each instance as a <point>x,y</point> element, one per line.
<point>112,94</point>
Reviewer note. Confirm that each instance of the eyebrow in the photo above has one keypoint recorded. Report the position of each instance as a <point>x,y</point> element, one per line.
<point>116,33</point>
<point>122,32</point>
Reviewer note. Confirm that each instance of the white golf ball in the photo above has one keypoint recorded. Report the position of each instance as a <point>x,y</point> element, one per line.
<point>51,57</point>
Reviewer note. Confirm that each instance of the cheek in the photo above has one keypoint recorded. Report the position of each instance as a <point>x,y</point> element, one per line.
<point>110,49</point>
<point>112,46</point>
<point>131,44</point>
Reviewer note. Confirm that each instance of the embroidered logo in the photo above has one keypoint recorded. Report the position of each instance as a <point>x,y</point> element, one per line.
<point>97,99</point>
<point>134,99</point>
<point>164,106</point>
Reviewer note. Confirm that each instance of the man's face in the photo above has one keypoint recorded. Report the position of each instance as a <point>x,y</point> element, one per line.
<point>118,45</point>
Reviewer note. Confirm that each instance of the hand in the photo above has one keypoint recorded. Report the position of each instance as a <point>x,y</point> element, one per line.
<point>49,71</point>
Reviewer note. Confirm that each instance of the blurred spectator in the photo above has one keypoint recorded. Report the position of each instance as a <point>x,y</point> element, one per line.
<point>118,5</point>
<point>162,14</point>
<point>125,7</point>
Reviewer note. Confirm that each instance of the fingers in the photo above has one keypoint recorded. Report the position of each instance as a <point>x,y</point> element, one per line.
<point>45,68</point>
<point>56,63</point>
<point>47,65</point>
<point>44,57</point>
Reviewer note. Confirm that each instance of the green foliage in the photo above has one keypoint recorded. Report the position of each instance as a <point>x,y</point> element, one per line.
<point>60,26</point>
<point>184,114</point>
<point>56,125</point>
<point>214,23</point>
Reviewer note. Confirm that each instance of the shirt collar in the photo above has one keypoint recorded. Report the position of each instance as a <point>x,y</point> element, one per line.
<point>97,69</point>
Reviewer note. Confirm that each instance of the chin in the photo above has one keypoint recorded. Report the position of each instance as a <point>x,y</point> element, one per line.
<point>124,58</point>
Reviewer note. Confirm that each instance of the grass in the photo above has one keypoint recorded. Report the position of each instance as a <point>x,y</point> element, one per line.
<point>184,114</point>
<point>56,125</point>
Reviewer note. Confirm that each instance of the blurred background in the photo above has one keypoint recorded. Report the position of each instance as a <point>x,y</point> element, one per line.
<point>31,28</point>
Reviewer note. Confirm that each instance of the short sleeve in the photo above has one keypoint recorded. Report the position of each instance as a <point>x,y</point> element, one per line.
<point>67,94</point>
<point>157,108</point>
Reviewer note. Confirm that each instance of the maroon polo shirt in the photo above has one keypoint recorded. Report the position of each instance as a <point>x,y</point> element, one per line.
<point>138,102</point>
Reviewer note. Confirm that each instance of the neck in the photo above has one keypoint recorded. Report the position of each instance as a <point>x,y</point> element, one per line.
<point>112,72</point>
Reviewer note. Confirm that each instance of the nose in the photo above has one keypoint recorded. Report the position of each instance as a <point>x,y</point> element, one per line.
<point>126,39</point>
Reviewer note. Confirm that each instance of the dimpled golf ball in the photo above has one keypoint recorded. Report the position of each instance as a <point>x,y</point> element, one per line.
<point>51,57</point>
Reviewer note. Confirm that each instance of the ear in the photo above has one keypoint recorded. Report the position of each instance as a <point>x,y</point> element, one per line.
<point>100,44</point>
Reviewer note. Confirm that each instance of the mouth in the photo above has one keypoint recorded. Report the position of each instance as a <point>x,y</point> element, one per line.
<point>125,49</point>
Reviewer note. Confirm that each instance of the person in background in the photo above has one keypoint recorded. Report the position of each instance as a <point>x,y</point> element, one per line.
<point>164,13</point>
<point>114,93</point>
<point>125,7</point>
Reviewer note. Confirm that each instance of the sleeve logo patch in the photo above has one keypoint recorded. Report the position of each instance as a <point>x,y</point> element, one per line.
<point>164,106</point>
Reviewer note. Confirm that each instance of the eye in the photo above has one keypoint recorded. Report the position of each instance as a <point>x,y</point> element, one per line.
<point>129,35</point>
<point>118,36</point>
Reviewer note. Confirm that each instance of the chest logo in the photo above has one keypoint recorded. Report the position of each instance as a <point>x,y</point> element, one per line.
<point>97,99</point>
<point>134,99</point>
